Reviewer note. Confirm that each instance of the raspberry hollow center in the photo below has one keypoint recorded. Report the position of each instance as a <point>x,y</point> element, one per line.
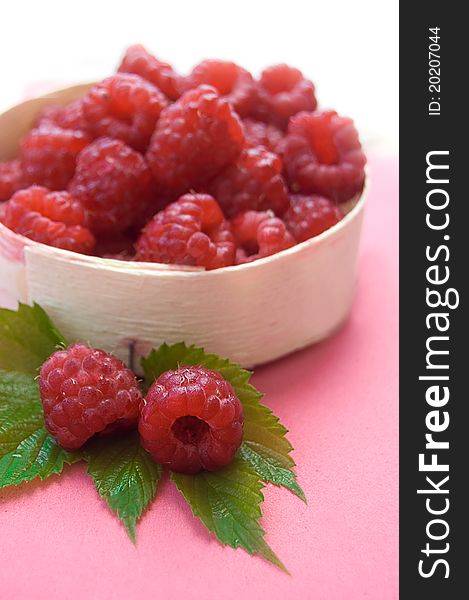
<point>189,430</point>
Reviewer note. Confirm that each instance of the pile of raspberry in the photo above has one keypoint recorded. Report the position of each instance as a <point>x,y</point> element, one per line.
<point>208,170</point>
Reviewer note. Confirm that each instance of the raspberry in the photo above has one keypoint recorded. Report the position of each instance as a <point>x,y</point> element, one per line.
<point>232,82</point>
<point>258,133</point>
<point>310,215</point>
<point>259,234</point>
<point>194,139</point>
<point>11,179</point>
<point>125,107</point>
<point>283,92</point>
<point>253,182</point>
<point>191,231</point>
<point>140,62</point>
<point>86,391</point>
<point>191,420</point>
<point>114,183</point>
<point>70,116</point>
<point>49,154</point>
<point>323,155</point>
<point>52,218</point>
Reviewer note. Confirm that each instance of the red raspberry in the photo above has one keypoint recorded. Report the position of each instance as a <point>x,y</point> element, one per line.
<point>70,116</point>
<point>310,215</point>
<point>259,234</point>
<point>194,139</point>
<point>191,420</point>
<point>52,218</point>
<point>49,154</point>
<point>140,62</point>
<point>323,155</point>
<point>191,231</point>
<point>253,182</point>
<point>232,82</point>
<point>11,179</point>
<point>85,391</point>
<point>114,183</point>
<point>258,133</point>
<point>125,107</point>
<point>283,92</point>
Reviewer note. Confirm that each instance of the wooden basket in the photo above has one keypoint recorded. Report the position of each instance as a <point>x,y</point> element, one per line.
<point>251,313</point>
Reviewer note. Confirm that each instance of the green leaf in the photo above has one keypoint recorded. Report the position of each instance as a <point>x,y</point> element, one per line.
<point>228,503</point>
<point>265,446</point>
<point>27,338</point>
<point>124,475</point>
<point>26,448</point>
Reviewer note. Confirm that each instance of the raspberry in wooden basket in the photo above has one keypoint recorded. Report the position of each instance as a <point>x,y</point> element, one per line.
<point>114,183</point>
<point>253,182</point>
<point>322,155</point>
<point>195,138</point>
<point>232,82</point>
<point>259,234</point>
<point>282,92</point>
<point>308,216</point>
<point>125,107</point>
<point>191,420</point>
<point>85,391</point>
<point>11,179</point>
<point>49,154</point>
<point>191,231</point>
<point>69,116</point>
<point>52,218</point>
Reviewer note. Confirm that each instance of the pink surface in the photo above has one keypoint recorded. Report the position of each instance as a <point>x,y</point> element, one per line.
<point>339,400</point>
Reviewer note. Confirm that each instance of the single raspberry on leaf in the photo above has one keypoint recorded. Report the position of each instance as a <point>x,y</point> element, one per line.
<point>258,133</point>
<point>253,182</point>
<point>191,231</point>
<point>322,155</point>
<point>309,216</point>
<point>191,420</point>
<point>139,61</point>
<point>259,234</point>
<point>283,91</point>
<point>86,391</point>
<point>70,116</point>
<point>125,107</point>
<point>195,138</point>
<point>11,179</point>
<point>114,183</point>
<point>232,82</point>
<point>52,218</point>
<point>49,154</point>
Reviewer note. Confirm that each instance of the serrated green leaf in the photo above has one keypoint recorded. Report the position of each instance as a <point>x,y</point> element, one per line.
<point>228,503</point>
<point>26,448</point>
<point>265,446</point>
<point>124,475</point>
<point>27,338</point>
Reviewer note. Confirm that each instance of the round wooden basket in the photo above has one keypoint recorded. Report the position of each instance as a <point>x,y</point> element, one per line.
<point>251,313</point>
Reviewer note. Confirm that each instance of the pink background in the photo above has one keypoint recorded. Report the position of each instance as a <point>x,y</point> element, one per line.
<point>339,401</point>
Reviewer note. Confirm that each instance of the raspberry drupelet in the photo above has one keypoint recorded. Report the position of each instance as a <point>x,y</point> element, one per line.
<point>232,82</point>
<point>139,61</point>
<point>11,179</point>
<point>195,138</point>
<point>86,391</point>
<point>253,182</point>
<point>114,183</point>
<point>52,218</point>
<point>124,107</point>
<point>308,216</point>
<point>282,92</point>
<point>258,133</point>
<point>191,420</point>
<point>259,234</point>
<point>190,231</point>
<point>48,155</point>
<point>322,155</point>
<point>70,116</point>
